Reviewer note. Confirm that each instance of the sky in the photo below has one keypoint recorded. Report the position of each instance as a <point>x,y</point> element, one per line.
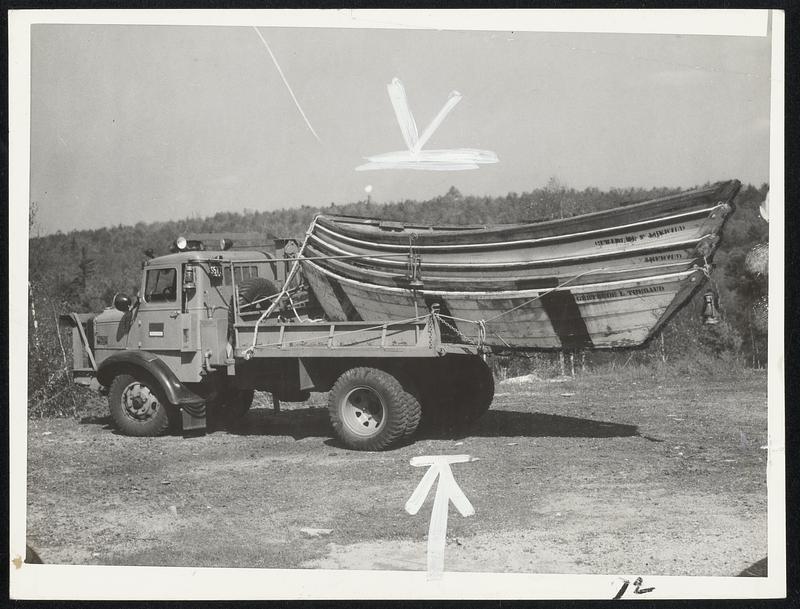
<point>150,123</point>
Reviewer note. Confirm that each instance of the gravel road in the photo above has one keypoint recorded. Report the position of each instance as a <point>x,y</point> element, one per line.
<point>598,474</point>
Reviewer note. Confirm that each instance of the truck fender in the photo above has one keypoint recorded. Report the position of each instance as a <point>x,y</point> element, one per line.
<point>175,391</point>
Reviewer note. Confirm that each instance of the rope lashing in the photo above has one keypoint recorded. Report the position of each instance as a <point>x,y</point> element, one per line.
<point>546,292</point>
<point>340,334</point>
<point>295,267</point>
<point>265,298</point>
<point>482,323</point>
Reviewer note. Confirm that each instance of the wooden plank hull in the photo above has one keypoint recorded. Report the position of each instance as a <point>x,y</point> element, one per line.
<point>578,270</point>
<point>644,216</point>
<point>601,280</point>
<point>628,238</point>
<point>599,315</point>
<point>658,237</point>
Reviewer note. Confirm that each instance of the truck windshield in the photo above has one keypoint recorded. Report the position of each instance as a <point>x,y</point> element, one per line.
<point>160,285</point>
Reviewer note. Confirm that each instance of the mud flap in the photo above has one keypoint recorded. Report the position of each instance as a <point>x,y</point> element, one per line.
<point>193,417</point>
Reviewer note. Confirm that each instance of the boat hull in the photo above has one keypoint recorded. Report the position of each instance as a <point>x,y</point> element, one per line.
<point>601,280</point>
<point>591,316</point>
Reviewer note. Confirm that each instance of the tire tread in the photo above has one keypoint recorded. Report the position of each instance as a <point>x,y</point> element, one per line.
<point>158,426</point>
<point>399,411</point>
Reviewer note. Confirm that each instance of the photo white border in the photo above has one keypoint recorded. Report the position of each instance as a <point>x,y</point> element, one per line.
<point>111,582</point>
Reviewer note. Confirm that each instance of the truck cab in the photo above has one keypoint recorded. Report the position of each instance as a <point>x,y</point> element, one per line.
<point>182,312</point>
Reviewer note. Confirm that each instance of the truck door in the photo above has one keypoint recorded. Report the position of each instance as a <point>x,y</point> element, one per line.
<point>159,312</point>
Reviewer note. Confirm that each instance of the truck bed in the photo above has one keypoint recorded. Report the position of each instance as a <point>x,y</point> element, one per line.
<point>406,338</point>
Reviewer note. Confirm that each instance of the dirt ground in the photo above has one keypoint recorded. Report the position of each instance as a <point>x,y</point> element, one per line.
<point>598,474</point>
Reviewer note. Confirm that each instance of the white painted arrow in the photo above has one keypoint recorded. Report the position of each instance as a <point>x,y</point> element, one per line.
<point>447,491</point>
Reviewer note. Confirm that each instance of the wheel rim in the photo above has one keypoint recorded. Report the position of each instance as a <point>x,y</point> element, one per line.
<point>139,402</point>
<point>362,411</point>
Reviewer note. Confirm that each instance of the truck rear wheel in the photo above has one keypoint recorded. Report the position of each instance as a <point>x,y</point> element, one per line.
<point>138,407</point>
<point>473,393</point>
<point>226,404</point>
<point>370,409</point>
<point>234,403</point>
<point>459,391</point>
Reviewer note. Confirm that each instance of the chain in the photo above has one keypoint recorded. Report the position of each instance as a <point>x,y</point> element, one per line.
<point>460,334</point>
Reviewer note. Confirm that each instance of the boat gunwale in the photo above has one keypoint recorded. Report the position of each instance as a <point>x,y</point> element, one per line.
<point>564,261</point>
<point>528,243</point>
<point>724,191</point>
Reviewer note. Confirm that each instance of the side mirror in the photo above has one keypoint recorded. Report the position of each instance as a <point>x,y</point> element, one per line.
<point>122,303</point>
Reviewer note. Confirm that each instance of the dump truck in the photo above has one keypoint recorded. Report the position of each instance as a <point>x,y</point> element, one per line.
<point>217,319</point>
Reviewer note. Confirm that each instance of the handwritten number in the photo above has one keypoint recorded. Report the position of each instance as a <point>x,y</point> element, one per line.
<point>637,589</point>
<point>625,584</point>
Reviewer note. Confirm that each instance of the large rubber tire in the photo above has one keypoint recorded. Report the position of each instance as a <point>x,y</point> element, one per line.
<point>138,406</point>
<point>456,393</point>
<point>237,403</point>
<point>250,290</point>
<point>474,392</point>
<point>414,412</point>
<point>369,409</point>
<point>256,288</point>
<point>413,416</point>
<point>227,404</point>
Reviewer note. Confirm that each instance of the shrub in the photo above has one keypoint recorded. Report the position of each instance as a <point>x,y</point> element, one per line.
<point>51,391</point>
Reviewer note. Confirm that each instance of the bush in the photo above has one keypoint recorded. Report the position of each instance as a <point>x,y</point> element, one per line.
<point>721,338</point>
<point>51,391</point>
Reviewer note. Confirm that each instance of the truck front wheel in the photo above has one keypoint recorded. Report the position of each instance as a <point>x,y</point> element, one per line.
<point>137,406</point>
<point>369,409</point>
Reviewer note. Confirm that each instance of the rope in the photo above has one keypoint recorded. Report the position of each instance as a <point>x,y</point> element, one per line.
<point>546,292</point>
<point>376,327</point>
<point>458,332</point>
<point>481,323</point>
<point>297,316</point>
<point>251,349</point>
<point>265,298</point>
<point>285,292</point>
<point>292,259</point>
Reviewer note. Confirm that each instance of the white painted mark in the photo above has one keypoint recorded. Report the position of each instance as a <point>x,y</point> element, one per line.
<point>447,491</point>
<point>286,82</point>
<point>454,159</point>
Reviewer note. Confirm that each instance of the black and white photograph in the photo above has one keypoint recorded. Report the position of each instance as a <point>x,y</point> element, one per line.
<point>386,304</point>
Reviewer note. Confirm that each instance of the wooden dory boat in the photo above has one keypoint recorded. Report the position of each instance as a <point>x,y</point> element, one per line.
<point>604,279</point>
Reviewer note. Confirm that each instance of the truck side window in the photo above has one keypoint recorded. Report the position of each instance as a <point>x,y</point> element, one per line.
<point>161,285</point>
<point>241,272</point>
